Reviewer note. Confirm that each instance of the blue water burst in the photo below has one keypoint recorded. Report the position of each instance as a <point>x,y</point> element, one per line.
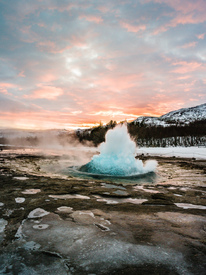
<point>117,156</point>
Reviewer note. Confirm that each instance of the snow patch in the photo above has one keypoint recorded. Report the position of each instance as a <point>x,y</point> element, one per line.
<point>37,213</point>
<point>68,196</point>
<point>140,187</point>
<point>3,224</point>
<point>31,191</point>
<point>179,152</point>
<point>19,200</point>
<point>117,200</point>
<point>65,209</point>
<point>20,178</point>
<point>32,245</point>
<point>190,206</point>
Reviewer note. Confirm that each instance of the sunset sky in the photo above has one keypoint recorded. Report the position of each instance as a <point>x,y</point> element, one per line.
<point>75,63</point>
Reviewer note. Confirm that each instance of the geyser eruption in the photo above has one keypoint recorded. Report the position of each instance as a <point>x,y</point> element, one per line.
<point>117,156</point>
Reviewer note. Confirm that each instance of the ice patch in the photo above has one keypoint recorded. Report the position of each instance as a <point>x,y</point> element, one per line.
<point>140,187</point>
<point>3,224</point>
<point>31,245</point>
<point>135,201</point>
<point>190,206</point>
<point>68,196</point>
<point>20,178</point>
<point>31,191</point>
<point>1,204</point>
<point>108,200</point>
<point>121,193</point>
<point>117,200</point>
<point>172,188</point>
<point>185,189</point>
<point>37,213</point>
<point>86,213</point>
<point>19,234</point>
<point>19,200</point>
<point>112,186</point>
<point>65,209</point>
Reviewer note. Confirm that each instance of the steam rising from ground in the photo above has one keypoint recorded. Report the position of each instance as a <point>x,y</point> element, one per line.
<point>117,156</point>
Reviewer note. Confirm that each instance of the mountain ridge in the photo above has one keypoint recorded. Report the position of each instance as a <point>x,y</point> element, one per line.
<point>183,116</point>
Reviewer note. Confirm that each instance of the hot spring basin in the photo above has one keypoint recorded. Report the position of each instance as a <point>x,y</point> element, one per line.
<point>116,159</point>
<point>82,172</point>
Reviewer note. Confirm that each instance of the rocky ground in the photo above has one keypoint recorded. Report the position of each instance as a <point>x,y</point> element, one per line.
<point>54,223</point>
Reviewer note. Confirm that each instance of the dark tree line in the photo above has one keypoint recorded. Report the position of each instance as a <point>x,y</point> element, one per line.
<point>96,134</point>
<point>193,134</point>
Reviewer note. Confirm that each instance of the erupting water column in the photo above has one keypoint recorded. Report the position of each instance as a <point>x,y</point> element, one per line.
<point>117,156</point>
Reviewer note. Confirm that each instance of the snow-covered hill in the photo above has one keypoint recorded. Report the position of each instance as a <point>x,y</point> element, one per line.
<point>181,117</point>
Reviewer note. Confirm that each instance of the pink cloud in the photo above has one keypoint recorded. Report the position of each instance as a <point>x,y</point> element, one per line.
<point>119,83</point>
<point>186,12</point>
<point>186,67</point>
<point>29,36</point>
<point>48,77</point>
<point>4,86</point>
<point>47,92</point>
<point>201,36</point>
<point>184,6</point>
<point>51,47</point>
<point>187,19</point>
<point>92,18</point>
<point>133,28</point>
<point>103,9</point>
<point>189,45</point>
<point>184,77</point>
<point>78,41</point>
<point>21,74</point>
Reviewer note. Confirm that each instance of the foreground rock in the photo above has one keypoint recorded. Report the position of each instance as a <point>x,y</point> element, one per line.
<point>56,224</point>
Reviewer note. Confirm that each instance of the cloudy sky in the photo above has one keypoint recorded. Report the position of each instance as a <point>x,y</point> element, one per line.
<point>72,63</point>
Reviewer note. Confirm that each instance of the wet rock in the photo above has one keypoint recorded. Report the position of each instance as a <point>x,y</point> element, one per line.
<point>161,196</point>
<point>157,202</point>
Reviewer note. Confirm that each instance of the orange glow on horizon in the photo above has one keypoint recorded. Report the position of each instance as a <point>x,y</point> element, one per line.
<point>57,120</point>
